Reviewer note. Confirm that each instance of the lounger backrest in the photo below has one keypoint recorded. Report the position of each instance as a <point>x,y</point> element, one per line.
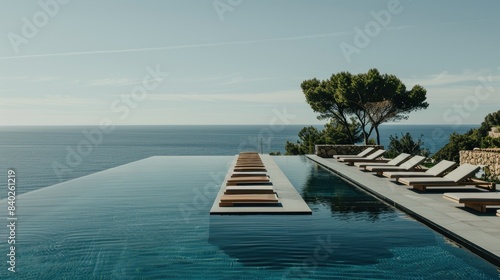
<point>399,159</point>
<point>365,152</point>
<point>376,154</point>
<point>441,167</point>
<point>462,172</point>
<point>413,162</point>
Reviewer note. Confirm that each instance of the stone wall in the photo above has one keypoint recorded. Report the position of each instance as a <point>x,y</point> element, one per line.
<point>330,150</point>
<point>490,158</point>
<point>494,133</point>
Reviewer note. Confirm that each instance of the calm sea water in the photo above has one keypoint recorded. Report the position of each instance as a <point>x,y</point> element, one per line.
<point>43,156</point>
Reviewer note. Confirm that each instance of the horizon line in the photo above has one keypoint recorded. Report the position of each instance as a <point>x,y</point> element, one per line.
<point>396,124</point>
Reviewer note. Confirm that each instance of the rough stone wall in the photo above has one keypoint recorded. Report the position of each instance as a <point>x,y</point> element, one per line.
<point>494,134</point>
<point>330,150</point>
<point>490,158</point>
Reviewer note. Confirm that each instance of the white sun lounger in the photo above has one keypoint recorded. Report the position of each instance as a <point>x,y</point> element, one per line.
<point>406,166</point>
<point>458,177</point>
<point>370,158</point>
<point>477,201</point>
<point>393,162</point>
<point>437,170</point>
<point>363,153</point>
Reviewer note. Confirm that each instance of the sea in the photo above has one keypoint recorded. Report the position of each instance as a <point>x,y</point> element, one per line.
<point>46,155</point>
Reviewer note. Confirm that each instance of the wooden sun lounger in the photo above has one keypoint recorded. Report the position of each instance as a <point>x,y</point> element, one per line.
<point>393,162</point>
<point>248,178</point>
<point>246,183</point>
<point>363,153</point>
<point>250,189</point>
<point>248,199</point>
<point>243,174</point>
<point>458,177</point>
<point>370,158</point>
<point>249,165</point>
<point>249,157</point>
<point>406,166</point>
<point>435,171</point>
<point>250,169</point>
<point>476,201</point>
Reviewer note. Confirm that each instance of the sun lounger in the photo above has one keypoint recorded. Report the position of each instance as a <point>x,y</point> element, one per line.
<point>498,212</point>
<point>437,170</point>
<point>250,189</point>
<point>406,166</point>
<point>248,155</point>
<point>250,169</point>
<point>248,179</point>
<point>250,165</point>
<point>476,201</point>
<point>370,158</point>
<point>248,200</point>
<point>364,153</point>
<point>462,176</point>
<point>243,174</point>
<point>393,162</point>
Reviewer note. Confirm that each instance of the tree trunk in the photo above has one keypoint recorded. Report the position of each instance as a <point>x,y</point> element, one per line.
<point>365,136</point>
<point>378,135</point>
<point>346,125</point>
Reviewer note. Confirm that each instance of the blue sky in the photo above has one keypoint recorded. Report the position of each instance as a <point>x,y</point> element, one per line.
<point>66,62</point>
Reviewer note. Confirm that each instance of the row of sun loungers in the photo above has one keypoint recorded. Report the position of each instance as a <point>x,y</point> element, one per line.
<point>249,184</point>
<point>405,169</point>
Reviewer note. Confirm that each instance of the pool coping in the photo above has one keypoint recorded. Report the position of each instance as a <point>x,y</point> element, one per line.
<point>291,201</point>
<point>475,231</point>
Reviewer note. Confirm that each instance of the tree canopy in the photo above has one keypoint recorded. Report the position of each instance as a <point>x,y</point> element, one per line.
<point>371,98</point>
<point>333,133</point>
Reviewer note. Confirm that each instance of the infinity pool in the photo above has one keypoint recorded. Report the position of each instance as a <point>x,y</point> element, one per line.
<point>150,220</point>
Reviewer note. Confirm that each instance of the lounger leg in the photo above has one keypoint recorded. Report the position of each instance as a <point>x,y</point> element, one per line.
<point>420,188</point>
<point>476,206</point>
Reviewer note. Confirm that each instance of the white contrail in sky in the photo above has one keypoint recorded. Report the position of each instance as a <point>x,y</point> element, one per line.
<point>176,47</point>
<point>201,45</point>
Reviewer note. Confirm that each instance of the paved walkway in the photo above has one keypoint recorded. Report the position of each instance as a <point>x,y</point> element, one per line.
<point>479,232</point>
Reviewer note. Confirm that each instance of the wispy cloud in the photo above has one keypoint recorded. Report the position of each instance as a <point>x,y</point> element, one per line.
<point>112,82</point>
<point>30,79</point>
<point>46,79</point>
<point>223,80</point>
<point>177,47</point>
<point>14,78</point>
<point>290,96</point>
<point>466,78</point>
<point>49,100</point>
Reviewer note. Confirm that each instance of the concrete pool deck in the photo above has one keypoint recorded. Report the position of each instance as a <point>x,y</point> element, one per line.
<point>291,201</point>
<point>479,232</point>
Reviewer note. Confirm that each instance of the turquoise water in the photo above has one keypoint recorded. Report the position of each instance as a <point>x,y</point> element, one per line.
<point>149,220</point>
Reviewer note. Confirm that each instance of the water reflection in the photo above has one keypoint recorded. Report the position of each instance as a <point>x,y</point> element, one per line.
<point>325,189</point>
<point>347,227</point>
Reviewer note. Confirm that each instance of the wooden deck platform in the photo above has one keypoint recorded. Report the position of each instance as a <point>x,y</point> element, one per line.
<point>290,200</point>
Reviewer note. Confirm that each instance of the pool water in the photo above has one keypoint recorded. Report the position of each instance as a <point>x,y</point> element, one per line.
<point>150,220</point>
